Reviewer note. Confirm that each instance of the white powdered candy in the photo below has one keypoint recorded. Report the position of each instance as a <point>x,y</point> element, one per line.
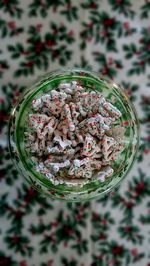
<point>72,136</point>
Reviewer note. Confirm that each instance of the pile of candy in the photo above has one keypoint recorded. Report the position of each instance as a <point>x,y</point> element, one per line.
<point>72,137</point>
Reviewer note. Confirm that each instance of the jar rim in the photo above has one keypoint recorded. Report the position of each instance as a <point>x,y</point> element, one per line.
<point>28,93</point>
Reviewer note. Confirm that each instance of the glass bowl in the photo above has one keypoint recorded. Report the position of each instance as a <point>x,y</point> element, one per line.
<point>92,82</point>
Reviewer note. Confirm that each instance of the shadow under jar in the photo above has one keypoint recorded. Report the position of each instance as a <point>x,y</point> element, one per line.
<point>88,97</point>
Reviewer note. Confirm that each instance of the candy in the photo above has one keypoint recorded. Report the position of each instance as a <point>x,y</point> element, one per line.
<point>95,125</point>
<point>81,168</point>
<point>37,104</point>
<point>75,182</point>
<point>69,120</point>
<point>46,100</point>
<point>37,122</point>
<point>43,170</point>
<point>82,111</point>
<point>108,145</point>
<point>55,167</point>
<point>111,109</point>
<point>89,147</point>
<point>52,124</point>
<point>54,101</point>
<point>72,138</point>
<point>79,137</point>
<point>65,87</point>
<point>74,113</point>
<point>62,126</point>
<point>105,172</point>
<point>54,150</point>
<point>96,164</point>
<point>62,143</point>
<point>73,84</point>
<point>35,146</point>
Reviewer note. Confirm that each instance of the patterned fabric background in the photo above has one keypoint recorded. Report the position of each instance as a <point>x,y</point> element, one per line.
<point>110,36</point>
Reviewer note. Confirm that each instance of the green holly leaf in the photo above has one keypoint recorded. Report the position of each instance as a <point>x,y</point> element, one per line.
<point>19,47</point>
<point>43,12</point>
<point>15,55</point>
<point>11,48</point>
<point>32,13</point>
<point>18,73</point>
<point>4,32</point>
<point>145,10</point>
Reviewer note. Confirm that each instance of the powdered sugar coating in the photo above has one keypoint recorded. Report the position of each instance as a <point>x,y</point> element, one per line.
<point>72,135</point>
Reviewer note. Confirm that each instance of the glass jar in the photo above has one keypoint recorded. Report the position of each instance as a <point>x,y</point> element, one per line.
<point>92,82</point>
